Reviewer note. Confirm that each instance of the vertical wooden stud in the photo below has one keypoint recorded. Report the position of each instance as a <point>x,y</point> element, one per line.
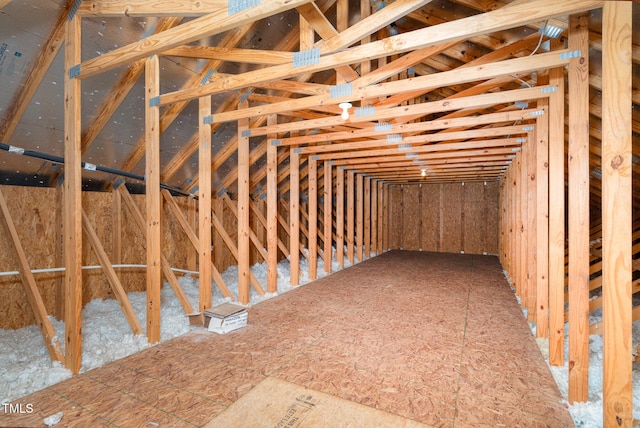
<point>340,216</point>
<point>294,216</point>
<point>313,217</point>
<point>556,218</point>
<point>153,209</point>
<point>617,213</point>
<point>385,218</point>
<point>244,226</point>
<point>350,215</point>
<point>542,219</point>
<point>359,216</point>
<point>532,191</point>
<point>380,246</point>
<point>367,217</point>
<point>72,201</point>
<point>328,217</point>
<point>192,218</point>
<point>204,204</point>
<point>374,217</point>
<point>272,209</point>
<point>116,235</point>
<point>579,210</point>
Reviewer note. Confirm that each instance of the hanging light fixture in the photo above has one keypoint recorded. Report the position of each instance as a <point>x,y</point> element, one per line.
<point>345,110</point>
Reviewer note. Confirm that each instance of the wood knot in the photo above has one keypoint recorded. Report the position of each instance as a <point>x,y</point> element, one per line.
<point>616,161</point>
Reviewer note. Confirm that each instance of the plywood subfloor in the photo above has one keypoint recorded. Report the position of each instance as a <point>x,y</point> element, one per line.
<point>434,338</point>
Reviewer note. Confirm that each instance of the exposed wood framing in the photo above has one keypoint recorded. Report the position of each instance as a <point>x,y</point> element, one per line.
<point>359,217</point>
<point>195,242</point>
<point>272,209</point>
<point>617,214</point>
<point>294,217</point>
<point>579,210</point>
<point>313,219</point>
<point>542,220</point>
<point>351,201</point>
<point>112,278</point>
<point>153,201</point>
<point>204,206</point>
<point>340,216</point>
<point>244,226</point>
<point>72,201</point>
<point>328,208</point>
<point>30,286</point>
<point>556,218</point>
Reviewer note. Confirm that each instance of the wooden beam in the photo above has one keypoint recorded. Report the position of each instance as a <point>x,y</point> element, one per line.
<point>262,219</point>
<point>367,218</point>
<point>244,265</point>
<point>340,216</point>
<point>272,209</point>
<point>531,189</point>
<point>617,214</point>
<point>30,287</point>
<point>351,200</point>
<point>214,23</point>
<point>294,217</point>
<point>204,206</point>
<point>112,278</point>
<point>402,128</point>
<point>145,8</point>
<point>374,217</point>
<point>556,218</point>
<point>579,210</point>
<point>427,82</point>
<point>227,54</point>
<point>72,200</point>
<point>541,140</point>
<point>153,202</point>
<point>313,219</point>
<point>360,217</point>
<point>328,208</point>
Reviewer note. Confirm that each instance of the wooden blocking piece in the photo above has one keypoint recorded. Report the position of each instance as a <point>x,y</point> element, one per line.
<point>367,217</point>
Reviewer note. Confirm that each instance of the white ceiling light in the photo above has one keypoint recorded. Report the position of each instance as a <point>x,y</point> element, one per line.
<point>345,110</point>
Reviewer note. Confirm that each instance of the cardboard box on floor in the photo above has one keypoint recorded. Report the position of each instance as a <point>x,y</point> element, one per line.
<point>224,318</point>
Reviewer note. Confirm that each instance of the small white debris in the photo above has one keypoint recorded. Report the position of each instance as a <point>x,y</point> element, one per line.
<point>53,419</point>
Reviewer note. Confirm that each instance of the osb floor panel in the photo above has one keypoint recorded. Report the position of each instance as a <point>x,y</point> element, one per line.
<point>434,338</point>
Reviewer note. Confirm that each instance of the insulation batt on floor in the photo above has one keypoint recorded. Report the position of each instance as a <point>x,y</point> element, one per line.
<point>25,366</point>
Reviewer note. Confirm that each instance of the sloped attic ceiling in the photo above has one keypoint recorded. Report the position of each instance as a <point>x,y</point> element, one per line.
<point>31,88</point>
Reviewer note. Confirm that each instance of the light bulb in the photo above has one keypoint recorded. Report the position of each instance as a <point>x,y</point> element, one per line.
<point>345,110</point>
<point>424,172</point>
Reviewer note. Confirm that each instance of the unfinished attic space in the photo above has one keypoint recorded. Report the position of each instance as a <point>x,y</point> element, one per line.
<point>417,213</point>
